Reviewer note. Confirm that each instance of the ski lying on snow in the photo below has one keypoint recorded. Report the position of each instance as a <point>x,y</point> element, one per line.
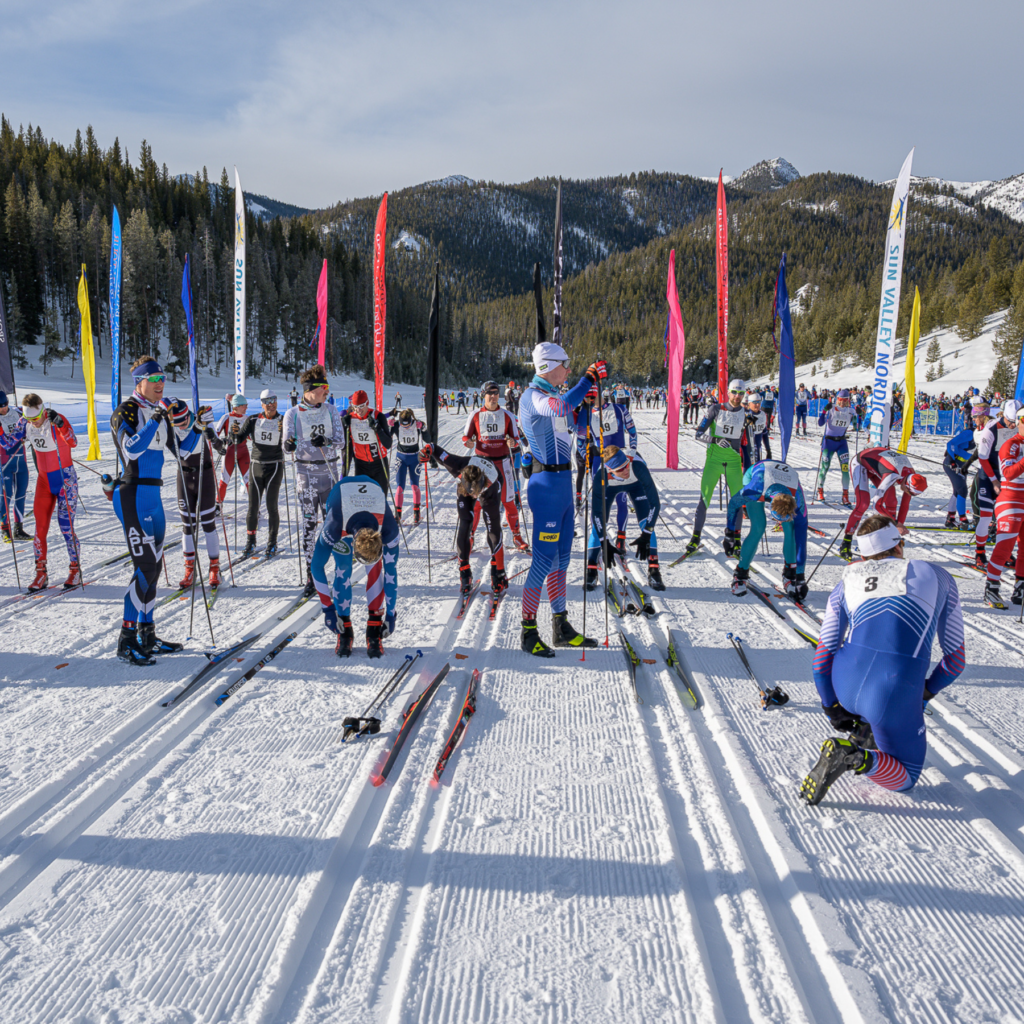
<point>410,717</point>
<point>688,691</point>
<point>763,597</point>
<point>265,660</point>
<point>216,660</point>
<point>633,663</point>
<point>458,733</point>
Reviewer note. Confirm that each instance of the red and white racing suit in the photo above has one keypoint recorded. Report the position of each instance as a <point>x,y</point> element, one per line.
<point>883,469</point>
<point>1009,510</point>
<point>493,436</point>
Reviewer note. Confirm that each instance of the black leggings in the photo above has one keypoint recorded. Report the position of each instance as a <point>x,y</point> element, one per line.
<point>188,495</point>
<point>490,506</point>
<point>374,470</point>
<point>264,480</point>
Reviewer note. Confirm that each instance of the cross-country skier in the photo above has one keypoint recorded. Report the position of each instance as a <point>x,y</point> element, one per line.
<point>626,474</point>
<point>774,486</point>
<point>768,407</point>
<point>961,451</point>
<point>461,399</point>
<point>802,397</point>
<point>51,438</point>
<point>1009,518</point>
<point>315,434</point>
<point>492,434</point>
<point>358,523</point>
<point>369,436</point>
<point>409,434</point>
<point>836,420</point>
<point>479,491</point>
<point>757,432</point>
<point>266,473</point>
<point>885,470</point>
<point>236,454</point>
<point>14,468</point>
<point>727,425</point>
<point>143,436</point>
<point>191,493</point>
<point>546,421</point>
<point>872,660</point>
<point>989,438</point>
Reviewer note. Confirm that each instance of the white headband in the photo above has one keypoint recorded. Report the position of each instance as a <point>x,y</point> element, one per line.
<point>30,411</point>
<point>881,540</point>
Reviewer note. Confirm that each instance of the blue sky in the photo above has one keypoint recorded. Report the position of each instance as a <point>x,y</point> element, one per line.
<point>317,102</point>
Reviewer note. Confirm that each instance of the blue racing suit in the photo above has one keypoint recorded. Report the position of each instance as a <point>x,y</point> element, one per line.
<point>960,452</point>
<point>617,424</point>
<point>760,484</point>
<point>15,472</point>
<point>640,487</point>
<point>836,422</point>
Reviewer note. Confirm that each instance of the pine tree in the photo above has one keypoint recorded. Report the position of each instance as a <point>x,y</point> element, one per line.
<point>970,319</point>
<point>1003,378</point>
<point>934,351</point>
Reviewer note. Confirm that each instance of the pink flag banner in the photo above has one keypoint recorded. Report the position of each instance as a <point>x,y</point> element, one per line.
<point>676,358</point>
<point>321,313</point>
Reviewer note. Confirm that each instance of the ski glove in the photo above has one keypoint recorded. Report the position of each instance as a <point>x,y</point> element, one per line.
<point>732,543</point>
<point>642,545</point>
<point>612,552</point>
<point>331,618</point>
<point>426,452</point>
<point>55,418</point>
<point>205,415</point>
<point>289,444</point>
<point>318,441</point>
<point>596,371</point>
<point>841,719</point>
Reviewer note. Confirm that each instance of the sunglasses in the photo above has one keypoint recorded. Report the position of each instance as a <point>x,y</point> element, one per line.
<point>317,387</point>
<point>737,392</point>
<point>154,378</point>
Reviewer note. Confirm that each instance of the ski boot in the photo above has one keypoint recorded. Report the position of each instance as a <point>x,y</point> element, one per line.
<point>980,558</point>
<point>565,634</point>
<point>591,581</point>
<point>846,548</point>
<point>846,500</point>
<point>731,543</point>
<point>693,545</point>
<point>520,544</point>
<point>310,588</point>
<point>271,548</point>
<point>7,533</point>
<point>793,583</point>
<point>654,580</point>
<point>398,514</point>
<point>821,494</point>
<point>214,573</point>
<point>863,736</point>
<point>19,533</point>
<point>579,502</point>
<point>499,580</point>
<point>950,522</point>
<point>128,648</point>
<point>152,644</point>
<point>837,757</point>
<point>1017,597</point>
<point>415,515</point>
<point>74,577</point>
<point>531,642</point>
<point>250,545</point>
<point>343,647</point>
<point>190,573</point>
<point>992,598</point>
<point>42,580</point>
<point>465,579</point>
<point>375,636</point>
<point>964,524</point>
<point>739,581</point>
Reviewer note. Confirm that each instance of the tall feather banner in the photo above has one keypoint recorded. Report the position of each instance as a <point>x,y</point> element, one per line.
<point>321,313</point>
<point>910,384</point>
<point>676,359</point>
<point>380,301</point>
<point>88,368</point>
<point>239,286</point>
<point>115,311</point>
<point>538,297</point>
<point>556,323</point>
<point>433,357</point>
<point>722,288</point>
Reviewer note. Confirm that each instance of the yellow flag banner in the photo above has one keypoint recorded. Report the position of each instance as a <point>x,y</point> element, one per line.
<point>910,389</point>
<point>88,368</point>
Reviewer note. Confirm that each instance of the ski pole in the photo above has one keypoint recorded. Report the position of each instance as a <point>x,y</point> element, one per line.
<point>426,485</point>
<point>773,698</point>
<point>287,500</point>
<point>817,475</point>
<point>299,538</point>
<point>85,465</point>
<point>586,531</point>
<point>604,501</point>
<point>10,527</point>
<point>827,550</point>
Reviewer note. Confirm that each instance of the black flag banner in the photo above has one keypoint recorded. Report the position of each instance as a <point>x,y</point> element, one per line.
<point>538,294</point>
<point>433,344</point>
<point>6,362</point>
<point>556,326</point>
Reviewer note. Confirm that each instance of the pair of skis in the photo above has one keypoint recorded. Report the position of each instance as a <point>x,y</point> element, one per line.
<point>215,661</point>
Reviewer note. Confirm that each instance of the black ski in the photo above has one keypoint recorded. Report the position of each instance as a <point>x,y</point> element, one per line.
<point>216,660</point>
<point>266,659</point>
<point>633,662</point>
<point>762,596</point>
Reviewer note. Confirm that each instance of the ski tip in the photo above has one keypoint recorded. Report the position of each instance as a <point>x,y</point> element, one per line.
<point>377,780</point>
<point>435,782</point>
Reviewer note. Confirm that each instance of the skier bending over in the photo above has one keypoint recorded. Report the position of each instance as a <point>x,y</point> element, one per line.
<point>871,666</point>
<point>358,522</point>
<point>775,486</point>
<point>545,417</point>
<point>480,487</point>
<point>626,474</point>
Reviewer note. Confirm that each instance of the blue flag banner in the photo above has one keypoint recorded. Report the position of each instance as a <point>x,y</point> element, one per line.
<point>787,360</point>
<point>1018,391</point>
<point>186,301</point>
<point>115,311</point>
<point>316,335</point>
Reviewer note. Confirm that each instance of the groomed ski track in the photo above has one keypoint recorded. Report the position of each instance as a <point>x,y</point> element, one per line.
<point>585,858</point>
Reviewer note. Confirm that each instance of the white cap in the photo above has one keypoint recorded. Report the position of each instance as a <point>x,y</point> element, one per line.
<point>755,396</point>
<point>266,394</point>
<point>1010,408</point>
<point>546,355</point>
<point>736,385</point>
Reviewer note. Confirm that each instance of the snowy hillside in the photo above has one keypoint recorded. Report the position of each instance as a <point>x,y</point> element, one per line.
<point>1006,195</point>
<point>767,175</point>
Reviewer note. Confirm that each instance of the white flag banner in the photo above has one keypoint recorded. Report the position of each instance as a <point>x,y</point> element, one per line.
<point>239,287</point>
<point>889,309</point>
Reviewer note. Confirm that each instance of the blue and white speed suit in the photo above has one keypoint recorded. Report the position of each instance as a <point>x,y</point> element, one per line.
<point>546,420</point>
<point>640,487</point>
<point>143,441</point>
<point>760,484</point>
<point>15,471</point>
<point>355,503</point>
<point>889,610</point>
<point>836,422</point>
<point>960,451</point>
<point>617,424</point>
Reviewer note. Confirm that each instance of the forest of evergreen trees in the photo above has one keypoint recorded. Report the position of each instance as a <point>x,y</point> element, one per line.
<point>55,213</point>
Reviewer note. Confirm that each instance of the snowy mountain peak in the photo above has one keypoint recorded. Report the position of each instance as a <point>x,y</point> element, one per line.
<point>767,175</point>
<point>448,182</point>
<point>1005,195</point>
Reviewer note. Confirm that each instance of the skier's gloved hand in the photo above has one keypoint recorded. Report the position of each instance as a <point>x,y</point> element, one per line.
<point>205,415</point>
<point>612,552</point>
<point>828,406</point>
<point>731,543</point>
<point>289,444</point>
<point>331,618</point>
<point>426,452</point>
<point>841,719</point>
<point>700,435</point>
<point>318,441</point>
<point>55,418</point>
<point>642,545</point>
<point>468,442</point>
<point>596,371</point>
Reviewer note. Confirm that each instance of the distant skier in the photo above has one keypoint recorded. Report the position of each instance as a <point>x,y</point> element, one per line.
<point>358,524</point>
<point>236,456</point>
<point>871,665</point>
<point>989,438</point>
<point>461,399</point>
<point>836,420</point>
<point>803,396</point>
<point>757,432</point>
<point>961,451</point>
<point>14,468</point>
<point>267,472</point>
<point>1009,518</point>
<point>409,433</point>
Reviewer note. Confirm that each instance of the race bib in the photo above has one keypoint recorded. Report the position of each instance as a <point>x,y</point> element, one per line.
<point>408,436</point>
<point>41,438</point>
<point>268,432</point>
<point>317,423</point>
<point>362,433</point>
<point>729,424</point>
<point>868,581</point>
<point>898,459</point>
<point>487,467</point>
<point>782,474</point>
<point>491,425</point>
<point>360,496</point>
<point>560,428</point>
<point>840,418</point>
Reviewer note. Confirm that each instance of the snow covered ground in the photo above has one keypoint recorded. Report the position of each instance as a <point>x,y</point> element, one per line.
<point>587,858</point>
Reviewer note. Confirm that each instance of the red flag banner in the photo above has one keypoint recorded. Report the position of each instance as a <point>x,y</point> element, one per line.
<point>722,278</point>
<point>676,358</point>
<point>380,301</point>
<point>321,313</point>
